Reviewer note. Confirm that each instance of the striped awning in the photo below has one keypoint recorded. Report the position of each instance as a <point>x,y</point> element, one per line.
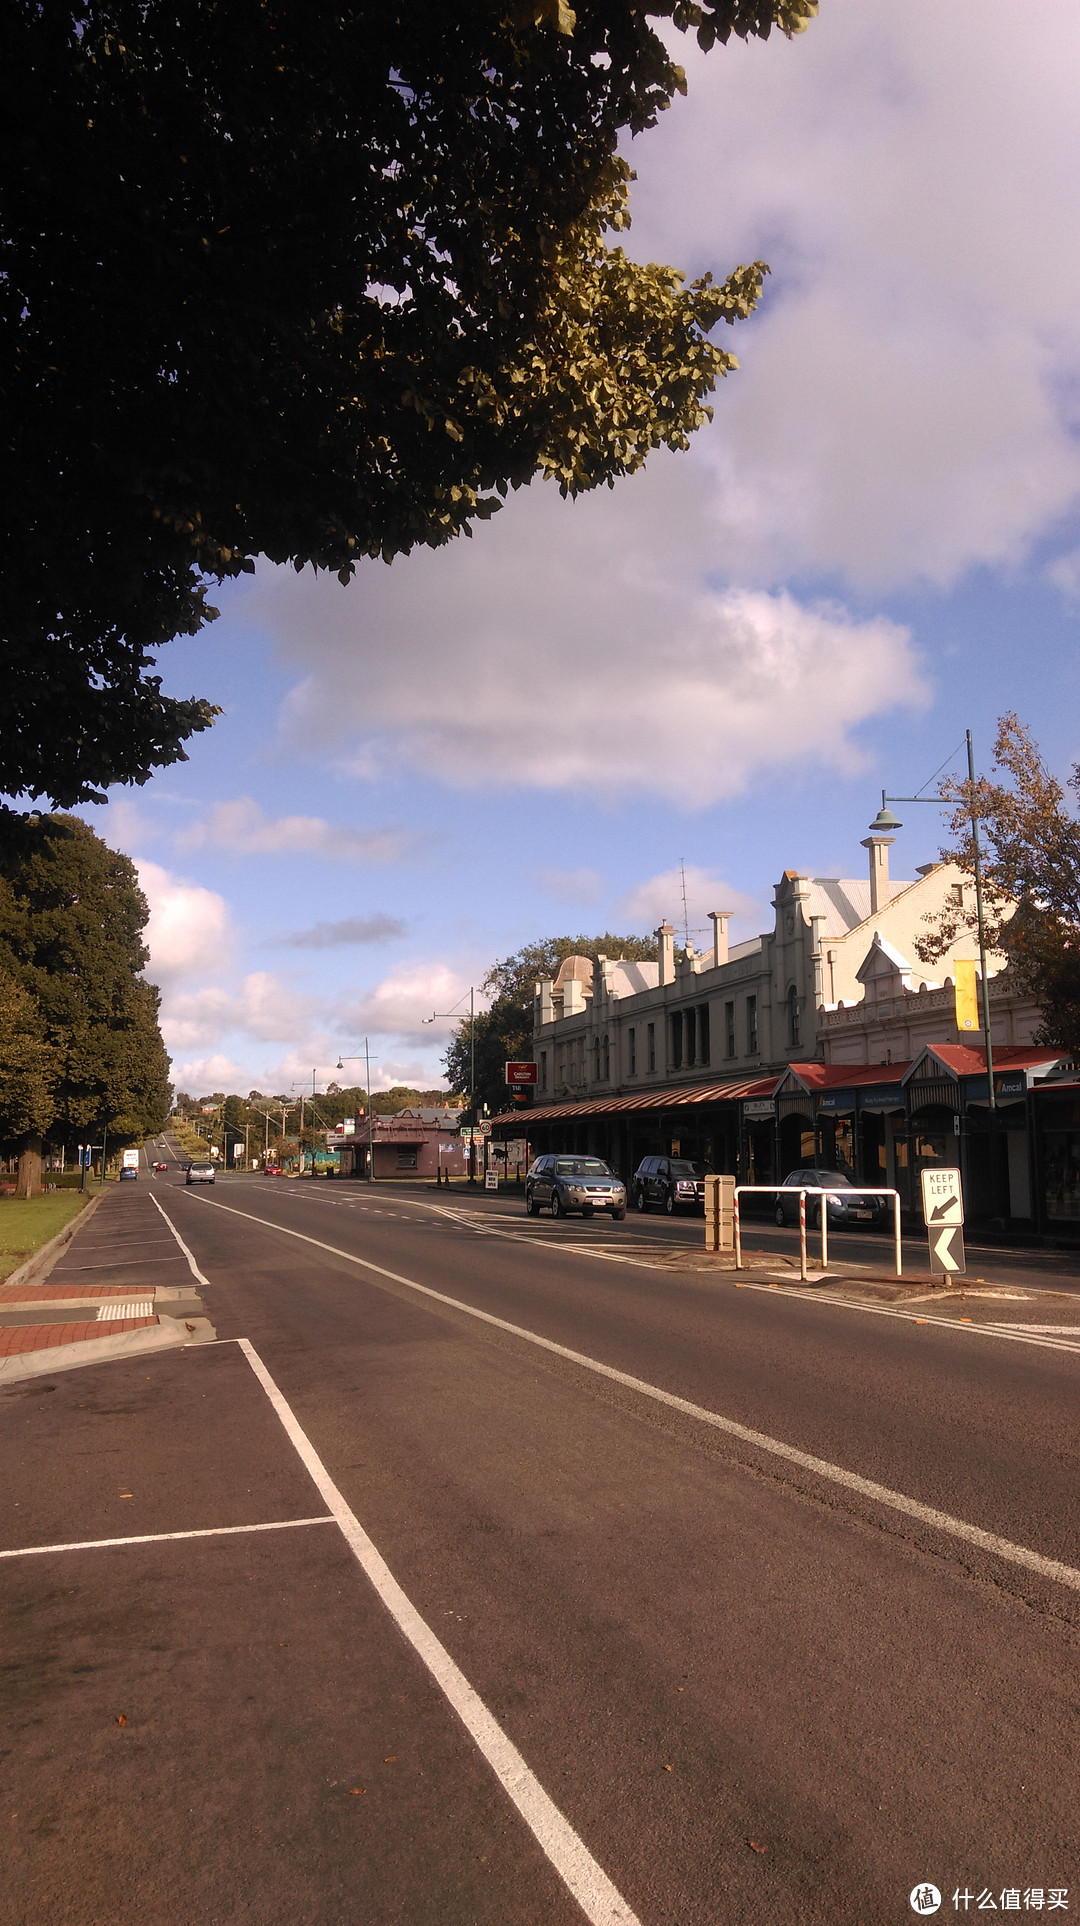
<point>680,1097</point>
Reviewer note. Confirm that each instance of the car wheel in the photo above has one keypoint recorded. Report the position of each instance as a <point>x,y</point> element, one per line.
<point>816,1218</point>
<point>781,1215</point>
<point>641,1200</point>
<point>669,1202</point>
<point>530,1204</point>
<point>618,1215</point>
<point>556,1204</point>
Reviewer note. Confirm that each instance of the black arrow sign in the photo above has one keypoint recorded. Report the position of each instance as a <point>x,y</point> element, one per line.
<point>941,1210</point>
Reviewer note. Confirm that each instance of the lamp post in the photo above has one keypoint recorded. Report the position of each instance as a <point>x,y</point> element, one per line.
<point>884,821</point>
<point>472,1066</point>
<point>341,1062</point>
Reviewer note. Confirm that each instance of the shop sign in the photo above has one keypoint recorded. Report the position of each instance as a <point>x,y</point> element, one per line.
<point>754,1107</point>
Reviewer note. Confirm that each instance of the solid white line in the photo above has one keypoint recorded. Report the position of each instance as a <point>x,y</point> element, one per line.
<point>160,1537</point>
<point>821,1467</point>
<point>1009,1332</point>
<point>192,1266</point>
<point>599,1900</point>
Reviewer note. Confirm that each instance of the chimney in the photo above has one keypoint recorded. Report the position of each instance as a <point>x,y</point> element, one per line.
<point>880,892</point>
<point>545,1011</point>
<point>665,937</point>
<point>719,920</point>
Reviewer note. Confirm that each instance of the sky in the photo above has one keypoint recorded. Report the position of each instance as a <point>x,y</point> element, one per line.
<point>721,662</point>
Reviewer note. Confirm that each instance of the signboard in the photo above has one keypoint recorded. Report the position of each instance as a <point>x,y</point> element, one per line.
<point>521,1073</point>
<point>965,995</point>
<point>466,1134</point>
<point>237,1152</point>
<point>483,1128</point>
<point>491,1180</point>
<point>758,1107</point>
<point>943,1214</point>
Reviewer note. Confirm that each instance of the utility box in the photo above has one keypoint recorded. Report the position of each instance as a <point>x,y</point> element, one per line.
<point>719,1213</point>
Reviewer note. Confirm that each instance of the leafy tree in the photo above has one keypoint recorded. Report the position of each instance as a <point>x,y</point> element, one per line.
<point>28,1076</point>
<point>313,284</point>
<point>71,923</point>
<point>1030,845</point>
<point>504,1031</point>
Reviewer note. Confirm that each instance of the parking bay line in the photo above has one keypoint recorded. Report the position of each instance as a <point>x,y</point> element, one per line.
<point>161,1537</point>
<point>1004,1548</point>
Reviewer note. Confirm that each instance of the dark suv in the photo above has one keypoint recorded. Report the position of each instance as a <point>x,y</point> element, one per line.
<point>846,1204</point>
<point>669,1182</point>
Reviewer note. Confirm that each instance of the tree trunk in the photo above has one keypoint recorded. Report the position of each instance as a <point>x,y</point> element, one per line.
<point>29,1179</point>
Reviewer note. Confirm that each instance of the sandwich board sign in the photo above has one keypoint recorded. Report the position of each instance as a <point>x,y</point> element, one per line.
<point>943,1215</point>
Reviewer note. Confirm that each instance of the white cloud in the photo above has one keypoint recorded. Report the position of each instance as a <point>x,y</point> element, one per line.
<point>243,827</point>
<point>660,899</point>
<point>580,646</point>
<point>199,1075</point>
<point>188,932</point>
<point>906,406</point>
<point>398,1006</point>
<point>349,931</point>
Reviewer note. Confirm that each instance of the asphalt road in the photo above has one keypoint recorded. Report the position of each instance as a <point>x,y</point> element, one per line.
<point>777,1599</point>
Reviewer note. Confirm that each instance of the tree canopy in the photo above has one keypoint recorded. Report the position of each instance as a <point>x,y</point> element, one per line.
<point>314,284</point>
<point>503,1033</point>
<point>71,949</point>
<point>1030,850</point>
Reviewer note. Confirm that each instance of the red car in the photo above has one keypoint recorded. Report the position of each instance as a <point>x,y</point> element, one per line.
<point>271,1170</point>
<point>159,1166</point>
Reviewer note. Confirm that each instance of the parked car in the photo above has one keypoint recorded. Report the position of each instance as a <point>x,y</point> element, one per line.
<point>847,1205</point>
<point>199,1174</point>
<point>271,1170</point>
<point>669,1182</point>
<point>570,1182</point>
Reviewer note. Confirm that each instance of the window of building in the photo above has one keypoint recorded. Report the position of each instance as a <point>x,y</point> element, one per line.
<point>729,1030</point>
<point>675,1053</point>
<point>596,1059</point>
<point>406,1157</point>
<point>650,1040</point>
<point>703,1033</point>
<point>690,1036</point>
<point>543,1069</point>
<point>606,1060</point>
<point>632,1049</point>
<point>794,1022</point>
<point>751,1026</point>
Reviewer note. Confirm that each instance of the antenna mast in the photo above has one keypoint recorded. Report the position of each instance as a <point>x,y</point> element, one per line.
<point>685,911</point>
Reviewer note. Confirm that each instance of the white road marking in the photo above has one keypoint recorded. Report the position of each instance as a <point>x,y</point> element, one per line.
<point>126,1307</point>
<point>599,1900</point>
<point>192,1266</point>
<point>160,1537</point>
<point>1007,1332</point>
<point>941,1521</point>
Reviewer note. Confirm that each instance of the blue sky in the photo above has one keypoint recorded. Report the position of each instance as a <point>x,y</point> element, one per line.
<point>723,660</point>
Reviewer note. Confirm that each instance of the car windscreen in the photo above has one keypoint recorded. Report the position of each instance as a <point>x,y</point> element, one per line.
<point>580,1167</point>
<point>683,1167</point>
<point>819,1179</point>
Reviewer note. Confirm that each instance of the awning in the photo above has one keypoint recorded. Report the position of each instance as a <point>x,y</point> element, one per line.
<point>677,1098</point>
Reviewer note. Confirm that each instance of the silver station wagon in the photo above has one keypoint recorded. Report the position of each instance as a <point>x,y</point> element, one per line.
<point>571,1182</point>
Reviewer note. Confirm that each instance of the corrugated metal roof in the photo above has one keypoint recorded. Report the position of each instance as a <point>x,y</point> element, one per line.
<point>677,1098</point>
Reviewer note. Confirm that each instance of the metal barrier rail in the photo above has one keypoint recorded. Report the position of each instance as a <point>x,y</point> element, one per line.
<point>776,1190</point>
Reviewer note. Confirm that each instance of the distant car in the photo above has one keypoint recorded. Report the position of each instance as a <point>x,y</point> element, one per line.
<point>199,1174</point>
<point>129,1175</point>
<point>161,1166</point>
<point>671,1182</point>
<point>271,1170</point>
<point>847,1205</point>
<point>570,1183</point>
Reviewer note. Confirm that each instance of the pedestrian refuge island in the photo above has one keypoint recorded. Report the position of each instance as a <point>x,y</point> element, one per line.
<point>723,1222</point>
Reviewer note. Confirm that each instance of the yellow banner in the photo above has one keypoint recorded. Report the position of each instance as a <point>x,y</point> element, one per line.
<point>966,995</point>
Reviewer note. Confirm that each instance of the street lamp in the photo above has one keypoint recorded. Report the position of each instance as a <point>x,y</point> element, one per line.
<point>341,1062</point>
<point>472,1065</point>
<point>885,821</point>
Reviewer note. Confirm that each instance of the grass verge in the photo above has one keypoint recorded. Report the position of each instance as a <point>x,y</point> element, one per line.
<point>26,1223</point>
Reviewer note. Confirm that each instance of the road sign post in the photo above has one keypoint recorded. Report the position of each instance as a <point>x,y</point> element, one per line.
<point>943,1215</point>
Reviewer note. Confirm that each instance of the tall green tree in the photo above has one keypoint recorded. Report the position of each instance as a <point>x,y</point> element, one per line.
<point>71,923</point>
<point>503,1033</point>
<point>1030,849</point>
<point>28,1078</point>
<point>313,283</point>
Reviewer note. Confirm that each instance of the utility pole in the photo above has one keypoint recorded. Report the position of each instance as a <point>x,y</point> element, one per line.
<point>472,1068</point>
<point>341,1062</point>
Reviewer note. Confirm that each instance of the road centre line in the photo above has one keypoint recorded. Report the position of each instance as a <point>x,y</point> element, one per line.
<point>599,1900</point>
<point>1021,1555</point>
<point>160,1537</point>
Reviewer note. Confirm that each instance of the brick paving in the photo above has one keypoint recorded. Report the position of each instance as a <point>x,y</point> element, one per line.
<point>50,1293</point>
<point>41,1337</point>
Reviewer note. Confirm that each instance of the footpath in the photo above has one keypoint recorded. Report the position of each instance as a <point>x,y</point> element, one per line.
<point>118,1285</point>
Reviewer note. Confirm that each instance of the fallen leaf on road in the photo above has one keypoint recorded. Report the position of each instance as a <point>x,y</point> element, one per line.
<point>356,1791</point>
<point>669,1768</point>
<point>391,1760</point>
<point>120,1719</point>
<point>754,1847</point>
